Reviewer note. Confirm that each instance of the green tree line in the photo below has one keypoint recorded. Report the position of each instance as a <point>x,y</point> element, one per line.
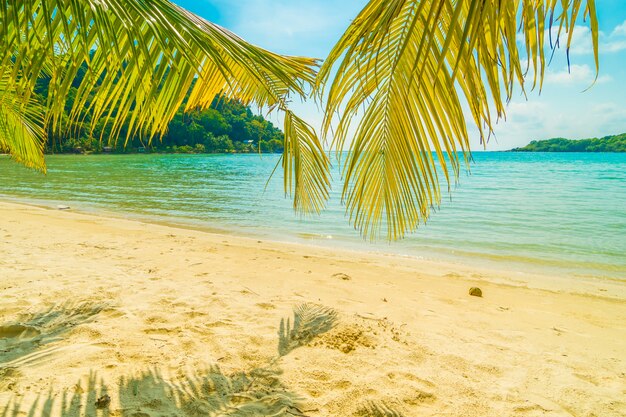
<point>227,126</point>
<point>616,143</point>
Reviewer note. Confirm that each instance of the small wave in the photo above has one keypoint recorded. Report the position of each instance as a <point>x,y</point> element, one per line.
<point>314,236</point>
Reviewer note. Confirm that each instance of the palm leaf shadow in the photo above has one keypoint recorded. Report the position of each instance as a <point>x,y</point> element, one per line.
<point>373,409</point>
<point>75,404</point>
<point>209,393</point>
<point>21,339</point>
<point>11,409</point>
<point>309,321</point>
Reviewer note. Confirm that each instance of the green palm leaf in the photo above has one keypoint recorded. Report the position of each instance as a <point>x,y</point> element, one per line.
<point>143,59</point>
<point>404,70</point>
<point>22,131</point>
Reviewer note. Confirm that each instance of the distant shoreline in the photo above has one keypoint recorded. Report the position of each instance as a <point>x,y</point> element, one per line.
<point>519,150</point>
<point>607,144</point>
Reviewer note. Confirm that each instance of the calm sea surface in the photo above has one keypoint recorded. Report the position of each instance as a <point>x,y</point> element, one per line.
<point>565,213</point>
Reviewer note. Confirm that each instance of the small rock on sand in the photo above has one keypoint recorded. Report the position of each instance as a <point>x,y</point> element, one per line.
<point>475,292</point>
<point>103,402</point>
<point>342,276</point>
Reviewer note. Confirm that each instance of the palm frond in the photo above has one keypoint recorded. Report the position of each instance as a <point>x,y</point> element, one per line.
<point>404,69</point>
<point>309,321</point>
<point>144,59</point>
<point>306,166</point>
<point>22,132</point>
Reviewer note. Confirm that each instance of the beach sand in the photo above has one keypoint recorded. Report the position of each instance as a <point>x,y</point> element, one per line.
<point>175,322</point>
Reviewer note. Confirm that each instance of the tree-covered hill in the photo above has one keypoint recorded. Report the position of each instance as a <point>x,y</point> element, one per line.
<point>615,143</point>
<point>226,127</point>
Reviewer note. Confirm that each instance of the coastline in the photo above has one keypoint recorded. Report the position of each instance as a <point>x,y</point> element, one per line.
<point>175,300</point>
<point>542,276</point>
<point>505,217</point>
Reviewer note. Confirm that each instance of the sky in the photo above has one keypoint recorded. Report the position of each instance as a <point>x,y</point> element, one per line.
<point>564,108</point>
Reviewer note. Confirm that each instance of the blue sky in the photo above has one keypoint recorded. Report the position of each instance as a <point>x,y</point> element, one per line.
<point>306,27</point>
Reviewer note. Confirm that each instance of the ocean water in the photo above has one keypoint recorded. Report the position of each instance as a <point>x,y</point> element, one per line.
<point>565,213</point>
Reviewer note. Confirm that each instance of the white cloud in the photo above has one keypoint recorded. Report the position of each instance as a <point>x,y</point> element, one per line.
<point>582,42</point>
<point>614,46</point>
<point>620,30</point>
<point>575,75</point>
<point>540,119</point>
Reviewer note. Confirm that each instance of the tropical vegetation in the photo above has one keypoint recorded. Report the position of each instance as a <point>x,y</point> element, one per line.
<point>616,143</point>
<point>393,89</point>
<point>226,126</point>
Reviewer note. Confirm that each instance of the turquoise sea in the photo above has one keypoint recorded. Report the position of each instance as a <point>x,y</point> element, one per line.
<point>565,213</point>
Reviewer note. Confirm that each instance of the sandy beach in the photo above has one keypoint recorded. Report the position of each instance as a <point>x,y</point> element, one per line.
<point>168,321</point>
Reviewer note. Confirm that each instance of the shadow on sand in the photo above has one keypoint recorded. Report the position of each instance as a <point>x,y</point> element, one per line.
<point>24,340</point>
<point>82,402</point>
<point>208,392</point>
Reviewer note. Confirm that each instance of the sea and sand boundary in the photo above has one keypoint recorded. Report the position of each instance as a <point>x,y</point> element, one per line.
<point>162,320</point>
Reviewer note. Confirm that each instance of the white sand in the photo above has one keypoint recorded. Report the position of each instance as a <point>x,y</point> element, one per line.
<point>126,298</point>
